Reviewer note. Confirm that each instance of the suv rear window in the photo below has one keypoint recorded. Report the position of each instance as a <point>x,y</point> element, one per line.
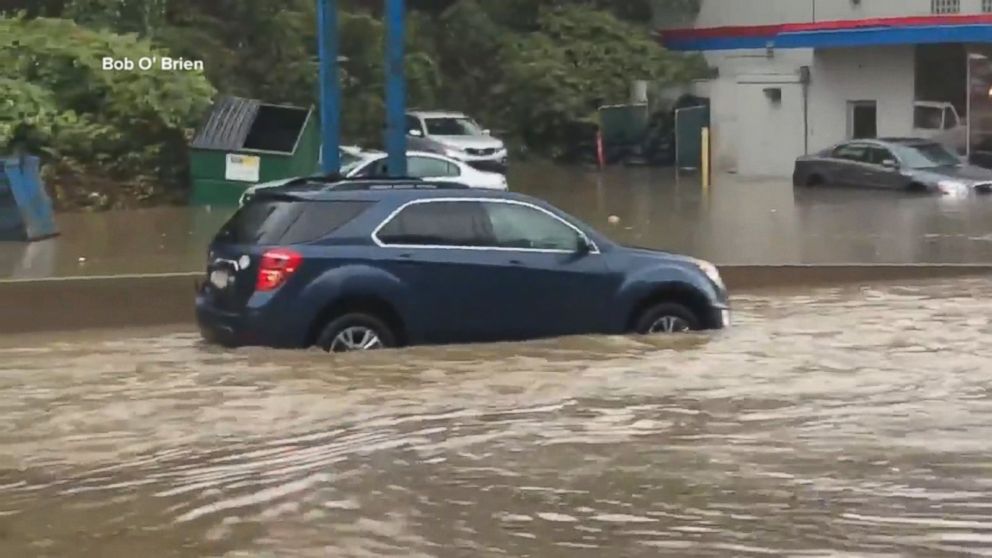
<point>269,222</point>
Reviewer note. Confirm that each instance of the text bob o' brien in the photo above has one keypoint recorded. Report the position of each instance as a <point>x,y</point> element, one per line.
<point>147,63</point>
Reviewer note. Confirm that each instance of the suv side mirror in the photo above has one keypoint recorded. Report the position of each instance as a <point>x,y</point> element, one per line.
<point>890,164</point>
<point>487,132</point>
<point>583,246</point>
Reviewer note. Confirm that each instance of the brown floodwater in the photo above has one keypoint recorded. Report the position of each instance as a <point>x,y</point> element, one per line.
<point>836,422</point>
<point>735,222</point>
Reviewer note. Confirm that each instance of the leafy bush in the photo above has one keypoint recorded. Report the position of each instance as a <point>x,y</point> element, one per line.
<point>60,101</point>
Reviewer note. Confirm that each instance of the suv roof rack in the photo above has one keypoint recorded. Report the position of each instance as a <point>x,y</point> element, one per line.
<point>319,181</point>
<point>396,184</point>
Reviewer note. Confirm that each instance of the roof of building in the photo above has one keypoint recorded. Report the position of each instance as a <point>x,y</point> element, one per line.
<point>840,33</point>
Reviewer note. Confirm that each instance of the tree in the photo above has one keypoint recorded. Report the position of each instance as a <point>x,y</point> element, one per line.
<point>131,125</point>
<point>535,70</point>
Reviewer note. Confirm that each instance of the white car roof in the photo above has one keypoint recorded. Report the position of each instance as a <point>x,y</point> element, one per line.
<point>409,153</point>
<point>932,104</point>
<point>436,114</point>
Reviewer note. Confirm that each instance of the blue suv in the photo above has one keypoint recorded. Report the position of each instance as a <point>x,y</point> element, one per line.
<point>358,265</point>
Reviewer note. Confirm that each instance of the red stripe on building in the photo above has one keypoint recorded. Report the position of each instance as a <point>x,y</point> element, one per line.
<point>722,32</point>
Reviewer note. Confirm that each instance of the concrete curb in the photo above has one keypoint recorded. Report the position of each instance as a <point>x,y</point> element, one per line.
<point>76,303</point>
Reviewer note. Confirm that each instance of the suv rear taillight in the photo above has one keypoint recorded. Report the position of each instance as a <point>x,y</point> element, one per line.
<point>276,267</point>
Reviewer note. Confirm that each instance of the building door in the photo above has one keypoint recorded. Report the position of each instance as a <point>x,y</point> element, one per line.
<point>770,125</point>
<point>689,124</point>
<point>862,119</point>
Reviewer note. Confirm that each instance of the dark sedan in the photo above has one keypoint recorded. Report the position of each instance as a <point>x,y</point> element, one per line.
<point>896,163</point>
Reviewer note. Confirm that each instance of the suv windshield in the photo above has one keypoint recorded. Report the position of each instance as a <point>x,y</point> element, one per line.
<point>349,159</point>
<point>350,162</point>
<point>926,156</point>
<point>452,127</point>
<point>271,221</point>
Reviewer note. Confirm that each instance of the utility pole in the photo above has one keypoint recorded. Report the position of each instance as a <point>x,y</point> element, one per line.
<point>330,86</point>
<point>395,87</point>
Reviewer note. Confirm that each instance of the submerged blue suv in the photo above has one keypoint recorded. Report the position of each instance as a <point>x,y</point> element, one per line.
<point>367,265</point>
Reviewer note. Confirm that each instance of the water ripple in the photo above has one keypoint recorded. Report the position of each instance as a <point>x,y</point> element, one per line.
<point>846,422</point>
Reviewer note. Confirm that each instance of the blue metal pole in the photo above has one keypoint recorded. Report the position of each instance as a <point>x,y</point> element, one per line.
<point>395,87</point>
<point>330,87</point>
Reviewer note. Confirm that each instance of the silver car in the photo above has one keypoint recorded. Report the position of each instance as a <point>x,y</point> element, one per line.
<point>456,136</point>
<point>910,164</point>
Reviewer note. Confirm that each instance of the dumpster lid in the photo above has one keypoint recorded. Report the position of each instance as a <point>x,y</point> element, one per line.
<point>228,125</point>
<point>238,124</point>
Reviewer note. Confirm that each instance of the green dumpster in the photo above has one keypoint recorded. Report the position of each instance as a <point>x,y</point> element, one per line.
<point>244,142</point>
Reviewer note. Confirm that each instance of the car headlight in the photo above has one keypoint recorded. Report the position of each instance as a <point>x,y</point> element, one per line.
<point>711,271</point>
<point>454,152</point>
<point>952,187</point>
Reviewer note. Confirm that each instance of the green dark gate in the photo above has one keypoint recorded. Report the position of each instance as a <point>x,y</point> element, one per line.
<point>689,124</point>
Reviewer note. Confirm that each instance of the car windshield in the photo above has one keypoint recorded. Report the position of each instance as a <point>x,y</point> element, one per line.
<point>926,156</point>
<point>350,163</point>
<point>452,127</point>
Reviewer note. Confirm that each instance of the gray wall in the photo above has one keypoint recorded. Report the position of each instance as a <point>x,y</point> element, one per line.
<point>716,13</point>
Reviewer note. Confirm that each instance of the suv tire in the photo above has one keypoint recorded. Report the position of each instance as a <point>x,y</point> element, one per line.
<point>356,332</point>
<point>667,317</point>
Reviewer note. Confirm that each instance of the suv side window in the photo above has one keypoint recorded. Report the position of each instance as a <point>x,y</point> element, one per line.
<point>430,167</point>
<point>267,222</point>
<point>852,152</point>
<point>413,124</point>
<point>950,119</point>
<point>447,223</point>
<point>523,226</point>
<point>926,118</point>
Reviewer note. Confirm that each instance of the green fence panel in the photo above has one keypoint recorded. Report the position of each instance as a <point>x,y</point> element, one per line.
<point>689,124</point>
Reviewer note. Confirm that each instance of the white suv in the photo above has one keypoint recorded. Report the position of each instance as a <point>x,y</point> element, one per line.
<point>457,136</point>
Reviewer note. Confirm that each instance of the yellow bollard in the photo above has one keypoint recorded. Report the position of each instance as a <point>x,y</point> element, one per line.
<point>706,158</point>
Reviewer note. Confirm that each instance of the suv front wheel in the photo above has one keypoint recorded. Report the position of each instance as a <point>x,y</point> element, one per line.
<point>356,332</point>
<point>667,317</point>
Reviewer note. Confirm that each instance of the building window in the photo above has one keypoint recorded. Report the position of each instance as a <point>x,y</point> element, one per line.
<point>987,5</point>
<point>947,6</point>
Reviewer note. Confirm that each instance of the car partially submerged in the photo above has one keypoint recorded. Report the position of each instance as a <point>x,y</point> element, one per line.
<point>366,264</point>
<point>910,164</point>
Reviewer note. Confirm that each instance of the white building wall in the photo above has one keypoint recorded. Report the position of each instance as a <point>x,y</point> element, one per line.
<point>827,10</point>
<point>754,138</point>
<point>882,74</point>
<point>718,13</point>
<point>726,107</point>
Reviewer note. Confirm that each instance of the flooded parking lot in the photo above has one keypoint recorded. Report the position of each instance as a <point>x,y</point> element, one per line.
<point>735,222</point>
<point>837,422</point>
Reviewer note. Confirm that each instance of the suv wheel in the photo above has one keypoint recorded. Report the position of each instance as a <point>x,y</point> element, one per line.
<point>356,332</point>
<point>667,317</point>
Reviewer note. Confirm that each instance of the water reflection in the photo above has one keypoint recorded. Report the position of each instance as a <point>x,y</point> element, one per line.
<point>840,421</point>
<point>736,222</point>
